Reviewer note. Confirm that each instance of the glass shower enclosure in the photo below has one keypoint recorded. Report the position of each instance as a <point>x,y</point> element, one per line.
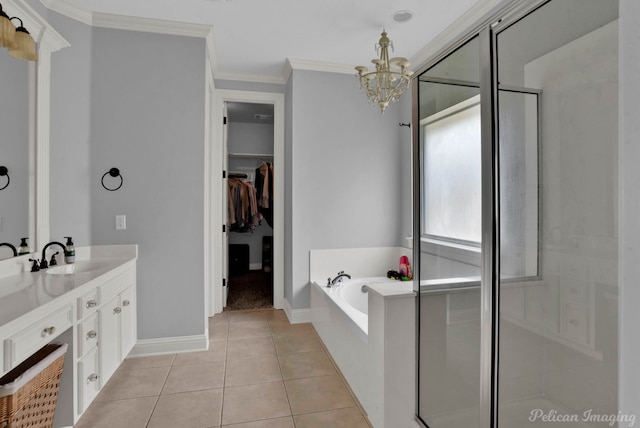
<point>515,221</point>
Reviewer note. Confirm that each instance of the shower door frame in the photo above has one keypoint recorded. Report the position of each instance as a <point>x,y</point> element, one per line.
<point>487,30</point>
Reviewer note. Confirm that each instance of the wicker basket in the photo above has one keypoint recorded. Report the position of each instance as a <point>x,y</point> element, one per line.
<point>29,392</point>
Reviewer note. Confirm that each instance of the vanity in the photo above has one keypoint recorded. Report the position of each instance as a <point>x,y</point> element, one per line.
<point>90,305</point>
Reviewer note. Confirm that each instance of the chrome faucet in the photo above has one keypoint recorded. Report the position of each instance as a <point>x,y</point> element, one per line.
<point>338,279</point>
<point>43,261</point>
<point>6,244</point>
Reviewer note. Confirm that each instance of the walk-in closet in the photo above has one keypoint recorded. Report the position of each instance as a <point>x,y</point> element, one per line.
<point>250,195</point>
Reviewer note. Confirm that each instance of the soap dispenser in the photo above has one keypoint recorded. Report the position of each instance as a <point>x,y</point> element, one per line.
<point>24,247</point>
<point>70,252</point>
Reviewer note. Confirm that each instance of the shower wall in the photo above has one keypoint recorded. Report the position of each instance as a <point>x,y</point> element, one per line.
<point>559,334</point>
<point>579,217</point>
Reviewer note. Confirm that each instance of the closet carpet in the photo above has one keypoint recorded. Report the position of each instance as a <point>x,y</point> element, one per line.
<point>252,290</point>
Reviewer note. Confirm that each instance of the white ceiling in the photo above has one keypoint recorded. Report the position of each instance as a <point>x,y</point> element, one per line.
<point>255,37</point>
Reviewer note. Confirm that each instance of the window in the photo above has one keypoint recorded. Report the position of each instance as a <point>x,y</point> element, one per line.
<point>451,164</point>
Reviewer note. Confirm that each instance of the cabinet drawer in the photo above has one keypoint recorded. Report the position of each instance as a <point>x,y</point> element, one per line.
<point>114,286</point>
<point>27,341</point>
<point>87,334</point>
<point>88,303</point>
<point>88,380</point>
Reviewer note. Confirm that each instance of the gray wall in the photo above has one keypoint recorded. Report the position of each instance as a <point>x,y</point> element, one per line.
<point>71,177</point>
<point>126,99</point>
<point>148,120</point>
<point>405,226</point>
<point>345,185</point>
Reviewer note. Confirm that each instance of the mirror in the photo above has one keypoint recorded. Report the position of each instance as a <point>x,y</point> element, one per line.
<point>14,153</point>
<point>24,122</point>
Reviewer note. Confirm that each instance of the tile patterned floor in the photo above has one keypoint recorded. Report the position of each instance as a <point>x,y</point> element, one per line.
<point>260,372</point>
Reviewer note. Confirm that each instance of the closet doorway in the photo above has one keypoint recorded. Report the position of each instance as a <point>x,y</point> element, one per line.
<point>250,171</point>
<point>247,185</point>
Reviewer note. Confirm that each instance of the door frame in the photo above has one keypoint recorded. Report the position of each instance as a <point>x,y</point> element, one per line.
<point>217,219</point>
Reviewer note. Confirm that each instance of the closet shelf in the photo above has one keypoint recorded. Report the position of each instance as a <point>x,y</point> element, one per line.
<point>250,155</point>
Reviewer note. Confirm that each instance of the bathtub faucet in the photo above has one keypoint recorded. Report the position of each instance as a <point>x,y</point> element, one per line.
<point>338,279</point>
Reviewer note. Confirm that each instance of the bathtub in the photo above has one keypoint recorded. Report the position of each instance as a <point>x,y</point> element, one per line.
<point>370,336</point>
<point>353,299</point>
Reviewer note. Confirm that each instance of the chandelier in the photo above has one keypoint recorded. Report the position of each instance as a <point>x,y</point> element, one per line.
<point>389,80</point>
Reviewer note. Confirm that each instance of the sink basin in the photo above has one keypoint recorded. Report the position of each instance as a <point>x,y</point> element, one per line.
<point>78,267</point>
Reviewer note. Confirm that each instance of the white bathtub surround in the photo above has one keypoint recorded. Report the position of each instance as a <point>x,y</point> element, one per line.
<point>371,336</point>
<point>375,351</point>
<point>357,262</point>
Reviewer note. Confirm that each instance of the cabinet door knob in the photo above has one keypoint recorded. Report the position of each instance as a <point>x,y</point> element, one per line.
<point>92,334</point>
<point>117,310</point>
<point>92,377</point>
<point>48,330</point>
<point>92,304</point>
<point>126,303</point>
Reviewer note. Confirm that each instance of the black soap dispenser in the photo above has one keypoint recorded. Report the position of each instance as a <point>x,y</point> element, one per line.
<point>70,252</point>
<point>24,247</point>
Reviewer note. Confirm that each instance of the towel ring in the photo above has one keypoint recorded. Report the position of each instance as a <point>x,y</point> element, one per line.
<point>113,172</point>
<point>4,172</point>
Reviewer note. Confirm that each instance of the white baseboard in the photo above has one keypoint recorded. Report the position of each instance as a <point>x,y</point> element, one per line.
<point>296,316</point>
<point>169,345</point>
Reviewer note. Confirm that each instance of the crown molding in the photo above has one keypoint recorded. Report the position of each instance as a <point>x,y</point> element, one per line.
<point>69,10</point>
<point>150,25</point>
<point>248,77</point>
<point>131,23</point>
<point>327,67</point>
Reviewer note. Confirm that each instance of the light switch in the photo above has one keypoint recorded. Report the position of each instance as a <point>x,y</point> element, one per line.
<point>121,222</point>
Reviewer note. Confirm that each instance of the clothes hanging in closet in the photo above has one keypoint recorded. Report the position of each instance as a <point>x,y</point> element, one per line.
<point>264,191</point>
<point>242,205</point>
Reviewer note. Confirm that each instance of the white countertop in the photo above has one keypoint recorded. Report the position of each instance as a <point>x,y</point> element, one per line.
<point>393,289</point>
<point>22,291</point>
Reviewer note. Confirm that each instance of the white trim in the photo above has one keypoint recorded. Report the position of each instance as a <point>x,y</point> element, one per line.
<point>149,25</point>
<point>215,164</point>
<point>327,67</point>
<point>297,316</point>
<point>69,10</point>
<point>248,77</point>
<point>169,345</point>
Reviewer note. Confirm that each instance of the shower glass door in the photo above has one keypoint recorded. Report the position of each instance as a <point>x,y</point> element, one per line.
<point>557,133</point>
<point>515,221</point>
<point>449,199</point>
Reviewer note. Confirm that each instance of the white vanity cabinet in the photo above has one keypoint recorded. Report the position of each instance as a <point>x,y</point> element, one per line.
<point>19,346</point>
<point>117,322</point>
<point>93,310</point>
<point>106,334</point>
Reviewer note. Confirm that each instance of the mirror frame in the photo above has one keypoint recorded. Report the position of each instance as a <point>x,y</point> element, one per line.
<point>48,41</point>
